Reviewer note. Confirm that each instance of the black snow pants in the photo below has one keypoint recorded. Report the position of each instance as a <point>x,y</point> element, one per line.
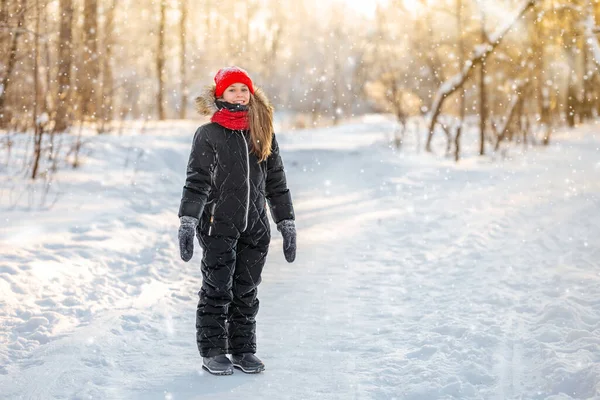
<point>231,273</point>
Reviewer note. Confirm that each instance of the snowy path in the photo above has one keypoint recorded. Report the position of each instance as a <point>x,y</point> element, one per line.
<point>415,279</point>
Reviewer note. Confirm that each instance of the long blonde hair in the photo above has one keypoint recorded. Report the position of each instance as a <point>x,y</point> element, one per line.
<point>260,121</point>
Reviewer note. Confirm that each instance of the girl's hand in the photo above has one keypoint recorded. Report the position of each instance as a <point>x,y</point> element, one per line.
<point>287,227</point>
<point>187,232</point>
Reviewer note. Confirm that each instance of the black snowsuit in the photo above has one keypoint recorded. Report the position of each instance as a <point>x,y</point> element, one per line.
<point>225,189</point>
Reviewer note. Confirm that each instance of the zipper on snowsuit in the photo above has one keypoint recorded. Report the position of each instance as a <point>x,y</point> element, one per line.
<point>247,181</point>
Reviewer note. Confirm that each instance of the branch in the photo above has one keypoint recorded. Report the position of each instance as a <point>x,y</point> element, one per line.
<point>520,90</point>
<point>478,56</point>
<point>590,30</point>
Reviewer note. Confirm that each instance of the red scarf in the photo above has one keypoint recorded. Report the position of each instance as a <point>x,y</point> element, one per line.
<point>237,120</point>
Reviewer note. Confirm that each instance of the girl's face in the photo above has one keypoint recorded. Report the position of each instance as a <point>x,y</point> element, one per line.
<point>238,93</point>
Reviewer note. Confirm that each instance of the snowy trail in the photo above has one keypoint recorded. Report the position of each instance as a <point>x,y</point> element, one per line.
<point>414,280</point>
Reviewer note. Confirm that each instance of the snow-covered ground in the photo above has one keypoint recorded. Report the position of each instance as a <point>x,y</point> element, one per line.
<point>416,278</point>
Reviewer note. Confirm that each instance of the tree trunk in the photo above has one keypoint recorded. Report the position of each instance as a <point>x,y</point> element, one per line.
<point>590,30</point>
<point>91,67</point>
<point>12,59</point>
<point>448,132</point>
<point>160,60</point>
<point>65,58</point>
<point>523,126</point>
<point>37,149</point>
<point>515,105</point>
<point>107,90</point>
<point>336,103</point>
<point>3,11</point>
<point>400,130</point>
<point>4,34</point>
<point>588,89</point>
<point>482,99</point>
<point>463,93</point>
<point>182,63</point>
<point>48,98</point>
<point>571,103</point>
<point>537,35</point>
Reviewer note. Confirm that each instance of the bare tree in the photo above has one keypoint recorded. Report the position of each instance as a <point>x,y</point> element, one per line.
<point>573,83</point>
<point>479,55</point>
<point>338,82</point>
<point>587,75</point>
<point>461,61</point>
<point>12,57</point>
<point>536,37</point>
<point>91,66</point>
<point>3,11</point>
<point>591,30</point>
<point>37,149</point>
<point>482,97</point>
<point>65,58</point>
<point>107,86</point>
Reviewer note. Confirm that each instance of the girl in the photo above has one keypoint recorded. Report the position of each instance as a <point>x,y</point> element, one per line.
<point>233,167</point>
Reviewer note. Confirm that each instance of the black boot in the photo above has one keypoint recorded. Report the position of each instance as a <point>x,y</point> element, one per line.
<point>248,363</point>
<point>218,365</point>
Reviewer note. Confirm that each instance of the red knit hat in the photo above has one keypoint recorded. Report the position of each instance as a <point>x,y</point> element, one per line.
<point>230,75</point>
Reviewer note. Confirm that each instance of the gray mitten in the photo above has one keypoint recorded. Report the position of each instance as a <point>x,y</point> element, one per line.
<point>287,227</point>
<point>187,233</point>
